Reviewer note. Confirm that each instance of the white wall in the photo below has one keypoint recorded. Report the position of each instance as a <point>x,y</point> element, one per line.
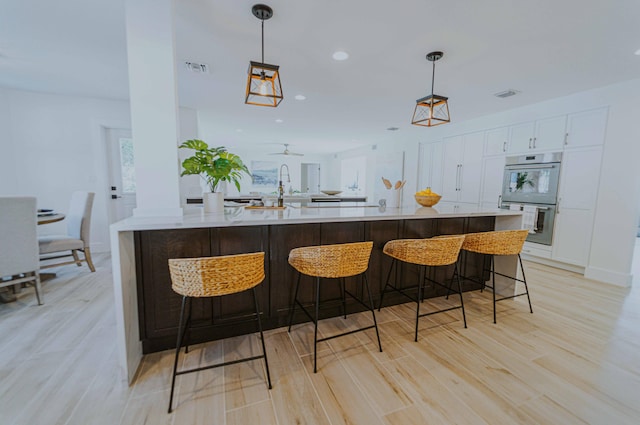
<point>52,145</point>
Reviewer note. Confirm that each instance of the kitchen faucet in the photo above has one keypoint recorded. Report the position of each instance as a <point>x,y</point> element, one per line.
<point>280,187</point>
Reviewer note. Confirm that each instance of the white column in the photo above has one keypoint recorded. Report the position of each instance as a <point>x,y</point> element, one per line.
<point>154,106</point>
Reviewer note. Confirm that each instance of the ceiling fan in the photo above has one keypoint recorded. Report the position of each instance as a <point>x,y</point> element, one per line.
<point>287,151</point>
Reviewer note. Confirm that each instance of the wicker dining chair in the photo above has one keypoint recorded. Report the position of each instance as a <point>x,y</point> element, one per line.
<point>432,252</point>
<point>332,262</point>
<point>499,242</point>
<point>215,277</point>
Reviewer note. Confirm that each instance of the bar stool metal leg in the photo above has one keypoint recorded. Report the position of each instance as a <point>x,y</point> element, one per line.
<point>373,313</point>
<point>457,274</point>
<point>384,289</point>
<point>315,331</point>
<point>295,301</point>
<point>524,280</point>
<point>264,350</point>
<point>344,301</point>
<point>493,290</point>
<point>419,299</point>
<point>178,343</point>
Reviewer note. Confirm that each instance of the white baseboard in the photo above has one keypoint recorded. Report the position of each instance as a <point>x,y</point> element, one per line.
<point>553,263</point>
<point>608,276</point>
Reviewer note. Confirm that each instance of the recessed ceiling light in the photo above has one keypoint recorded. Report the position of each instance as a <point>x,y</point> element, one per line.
<point>300,97</point>
<point>340,55</point>
<point>393,128</point>
<point>279,121</point>
<point>637,52</point>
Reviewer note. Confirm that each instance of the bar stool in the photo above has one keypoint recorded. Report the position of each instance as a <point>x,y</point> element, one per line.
<point>215,277</point>
<point>499,242</point>
<point>333,262</point>
<point>433,252</point>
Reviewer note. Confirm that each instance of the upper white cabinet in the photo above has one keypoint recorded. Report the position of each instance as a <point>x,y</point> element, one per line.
<point>538,136</point>
<point>492,174</point>
<point>462,168</point>
<point>586,128</point>
<point>496,141</point>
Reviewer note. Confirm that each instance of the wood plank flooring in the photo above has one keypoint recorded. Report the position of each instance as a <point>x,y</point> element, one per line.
<point>575,360</point>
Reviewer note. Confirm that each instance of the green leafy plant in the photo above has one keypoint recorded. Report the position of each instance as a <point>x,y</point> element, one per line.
<point>214,165</point>
<point>522,180</point>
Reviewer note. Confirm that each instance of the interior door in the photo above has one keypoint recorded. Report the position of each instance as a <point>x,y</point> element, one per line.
<point>122,179</point>
<point>310,178</point>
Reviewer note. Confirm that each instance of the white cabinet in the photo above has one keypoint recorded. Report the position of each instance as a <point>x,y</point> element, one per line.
<point>579,178</point>
<point>430,167</point>
<point>492,174</point>
<point>538,136</point>
<point>496,141</point>
<point>462,168</point>
<point>586,128</point>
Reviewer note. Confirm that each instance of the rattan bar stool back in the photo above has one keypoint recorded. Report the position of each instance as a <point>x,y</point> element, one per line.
<point>501,243</point>
<point>215,277</point>
<point>433,252</point>
<point>337,261</point>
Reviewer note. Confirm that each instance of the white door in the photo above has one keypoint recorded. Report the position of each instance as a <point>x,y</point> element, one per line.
<point>310,178</point>
<point>452,163</point>
<point>471,170</point>
<point>122,179</point>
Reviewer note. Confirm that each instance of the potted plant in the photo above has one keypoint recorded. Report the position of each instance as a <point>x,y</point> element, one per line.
<point>214,165</point>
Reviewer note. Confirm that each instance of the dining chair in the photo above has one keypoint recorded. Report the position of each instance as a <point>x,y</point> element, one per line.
<point>77,237</point>
<point>19,243</point>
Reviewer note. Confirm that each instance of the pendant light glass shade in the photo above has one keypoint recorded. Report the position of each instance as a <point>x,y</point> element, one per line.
<point>263,80</point>
<point>263,85</point>
<point>431,110</point>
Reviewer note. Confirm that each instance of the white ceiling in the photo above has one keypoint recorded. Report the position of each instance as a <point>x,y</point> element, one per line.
<point>543,48</point>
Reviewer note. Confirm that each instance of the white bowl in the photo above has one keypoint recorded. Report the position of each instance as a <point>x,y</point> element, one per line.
<point>331,192</point>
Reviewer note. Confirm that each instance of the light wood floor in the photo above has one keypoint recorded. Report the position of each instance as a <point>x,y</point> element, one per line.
<point>575,360</point>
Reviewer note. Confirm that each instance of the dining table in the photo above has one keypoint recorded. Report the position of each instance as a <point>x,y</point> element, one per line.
<point>50,218</point>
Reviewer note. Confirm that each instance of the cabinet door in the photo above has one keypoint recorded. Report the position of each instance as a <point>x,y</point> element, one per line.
<point>550,134</point>
<point>430,172</point>
<point>572,236</point>
<point>470,175</point>
<point>496,141</point>
<point>492,173</point>
<point>521,137</point>
<point>451,164</point>
<point>579,177</point>
<point>586,128</point>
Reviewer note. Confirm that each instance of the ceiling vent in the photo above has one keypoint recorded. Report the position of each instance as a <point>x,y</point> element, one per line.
<point>198,68</point>
<point>507,93</point>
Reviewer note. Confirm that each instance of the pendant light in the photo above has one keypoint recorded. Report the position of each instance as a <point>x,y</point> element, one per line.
<point>431,110</point>
<point>263,82</point>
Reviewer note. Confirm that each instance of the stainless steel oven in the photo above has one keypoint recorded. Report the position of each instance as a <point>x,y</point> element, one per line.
<point>532,179</point>
<point>542,219</point>
<point>530,185</point>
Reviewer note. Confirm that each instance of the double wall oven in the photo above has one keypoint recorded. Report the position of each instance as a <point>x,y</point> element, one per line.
<point>530,184</point>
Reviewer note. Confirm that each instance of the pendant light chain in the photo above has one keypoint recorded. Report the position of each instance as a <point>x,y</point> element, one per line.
<point>263,42</point>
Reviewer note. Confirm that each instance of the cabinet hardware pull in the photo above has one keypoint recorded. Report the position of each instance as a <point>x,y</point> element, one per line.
<point>504,146</point>
<point>530,140</point>
<point>558,206</point>
<point>566,138</point>
<point>534,142</point>
<point>499,201</point>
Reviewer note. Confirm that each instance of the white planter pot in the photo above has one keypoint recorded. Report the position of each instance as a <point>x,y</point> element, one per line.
<point>213,202</point>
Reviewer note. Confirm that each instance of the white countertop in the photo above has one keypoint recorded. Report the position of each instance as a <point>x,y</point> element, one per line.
<point>294,213</point>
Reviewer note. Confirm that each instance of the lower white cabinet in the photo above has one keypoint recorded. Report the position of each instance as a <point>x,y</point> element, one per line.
<point>572,236</point>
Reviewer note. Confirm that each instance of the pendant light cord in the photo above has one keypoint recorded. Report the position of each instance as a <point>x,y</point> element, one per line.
<point>263,42</point>
<point>433,77</point>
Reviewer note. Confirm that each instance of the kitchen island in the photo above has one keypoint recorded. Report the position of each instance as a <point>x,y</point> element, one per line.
<point>147,309</point>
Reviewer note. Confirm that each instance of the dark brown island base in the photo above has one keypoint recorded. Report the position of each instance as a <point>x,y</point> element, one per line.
<point>144,246</point>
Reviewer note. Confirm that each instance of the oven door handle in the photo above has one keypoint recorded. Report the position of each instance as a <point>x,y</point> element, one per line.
<point>528,166</point>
